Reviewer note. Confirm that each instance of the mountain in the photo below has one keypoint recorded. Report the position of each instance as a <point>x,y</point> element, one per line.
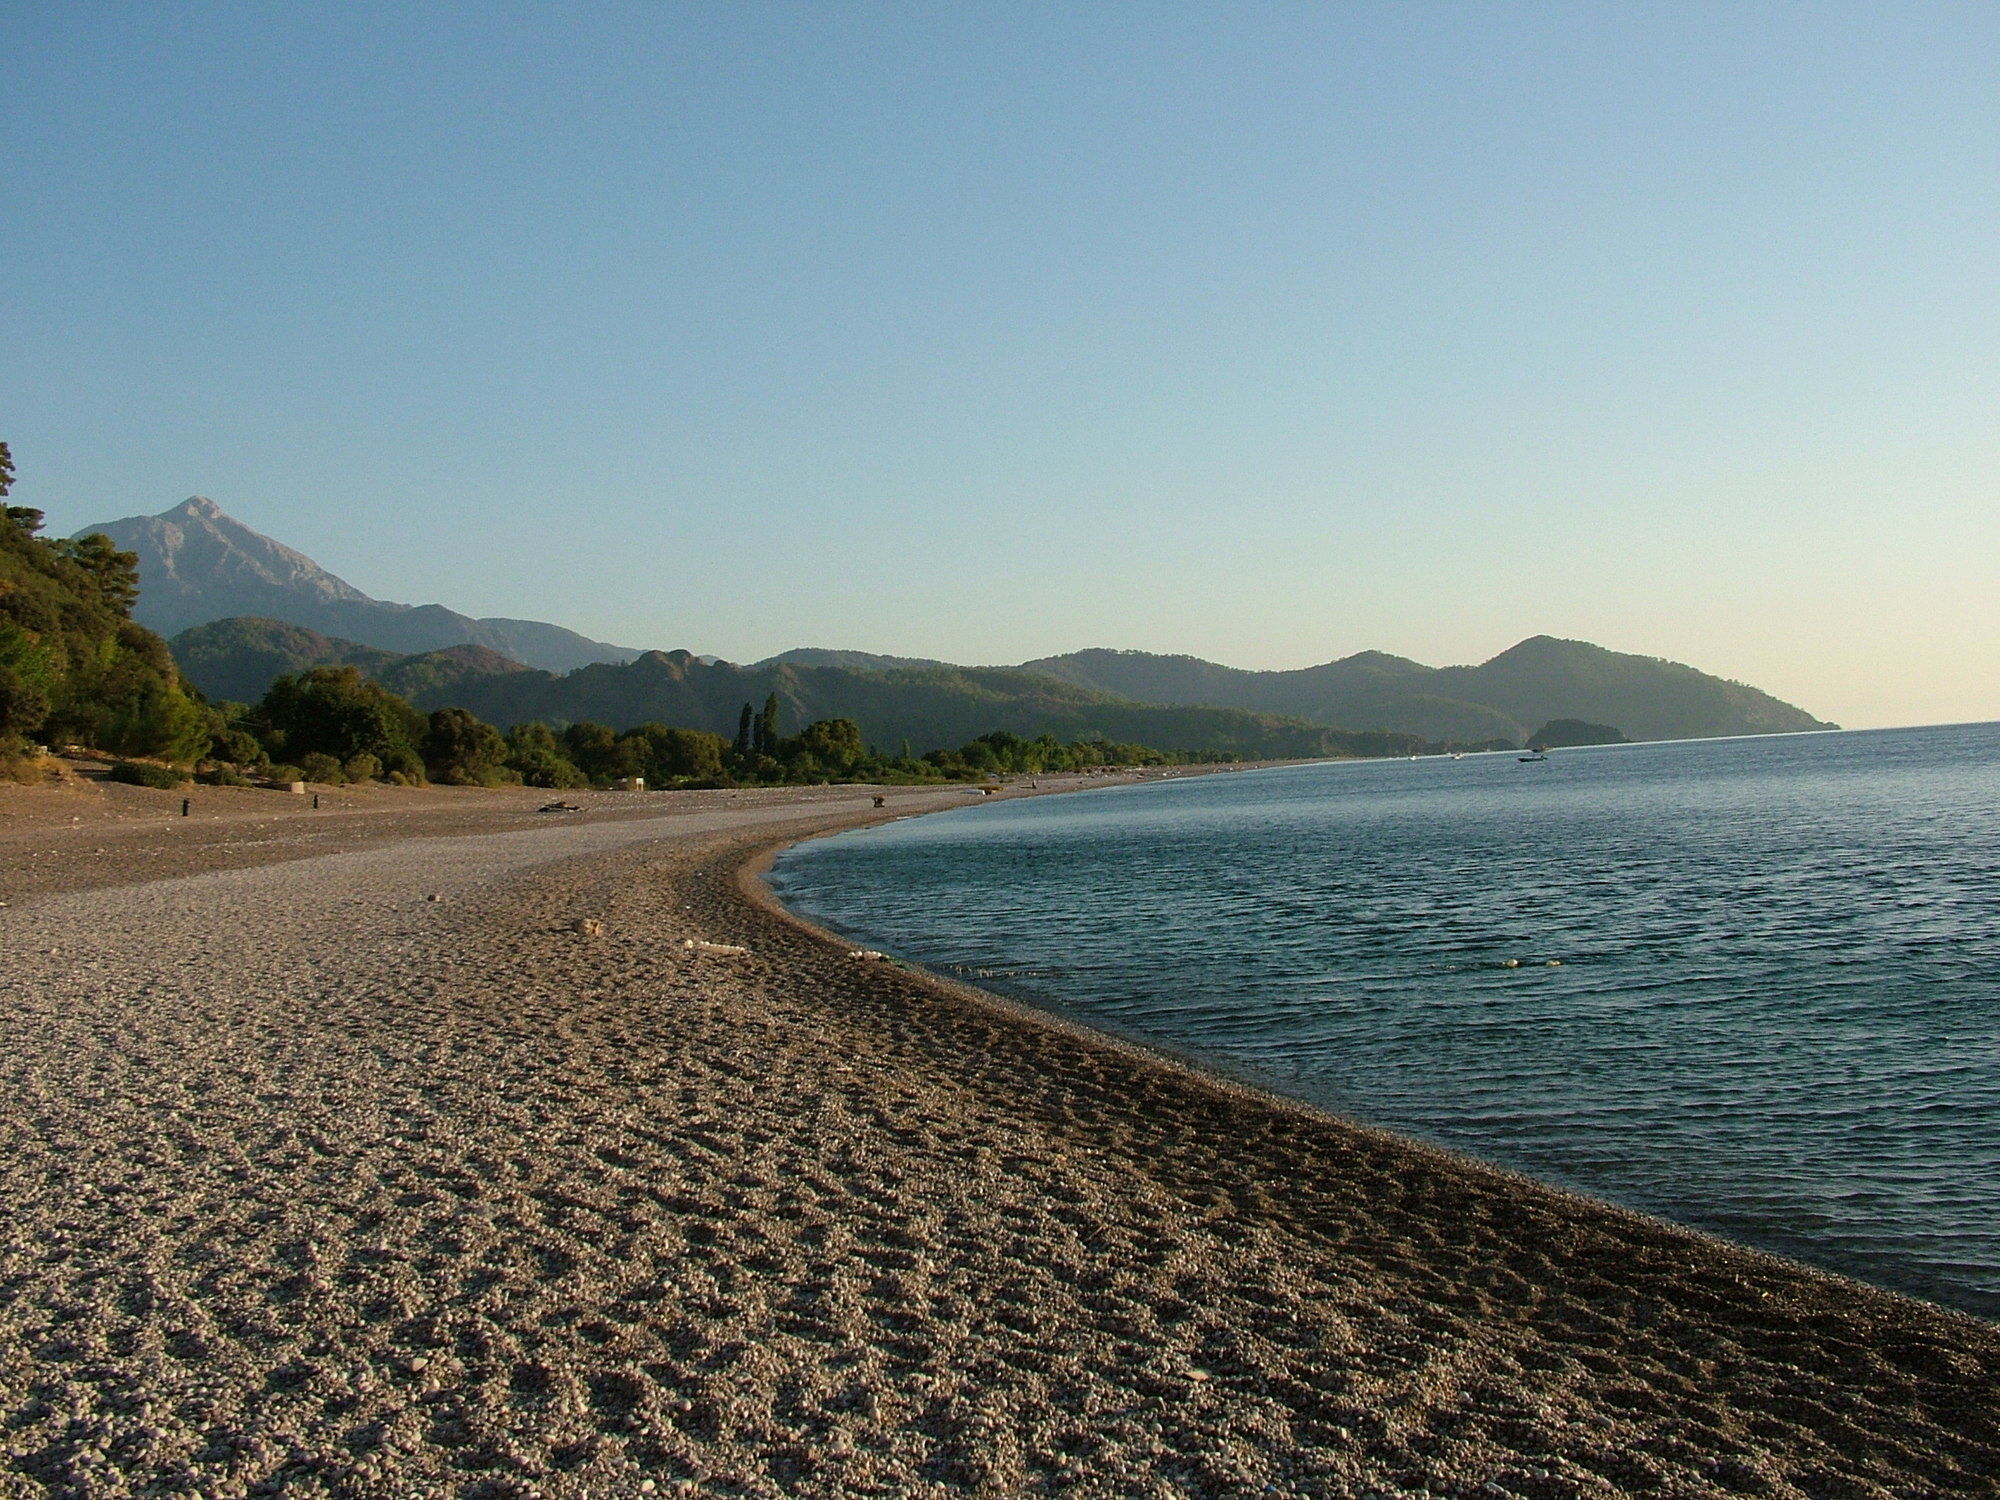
<point>1540,679</point>
<point>238,659</point>
<point>1648,698</point>
<point>853,661</point>
<point>197,564</point>
<point>929,708</point>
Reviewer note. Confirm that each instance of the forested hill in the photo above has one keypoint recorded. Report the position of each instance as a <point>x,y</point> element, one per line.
<point>237,660</point>
<point>929,708</point>
<point>73,666</point>
<point>1540,679</point>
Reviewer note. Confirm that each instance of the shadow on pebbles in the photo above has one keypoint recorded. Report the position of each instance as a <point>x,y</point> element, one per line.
<point>318,1186</point>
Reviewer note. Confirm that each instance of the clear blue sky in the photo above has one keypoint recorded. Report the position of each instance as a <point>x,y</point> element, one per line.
<point>1267,333</point>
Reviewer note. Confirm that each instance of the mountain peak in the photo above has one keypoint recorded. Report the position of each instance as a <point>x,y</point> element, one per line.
<point>198,564</point>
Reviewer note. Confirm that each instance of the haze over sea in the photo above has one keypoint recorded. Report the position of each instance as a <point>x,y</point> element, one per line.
<point>1750,985</point>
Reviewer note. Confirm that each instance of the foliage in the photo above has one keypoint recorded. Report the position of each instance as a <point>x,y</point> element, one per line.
<point>73,666</point>
<point>336,712</point>
<point>316,765</point>
<point>535,754</point>
<point>240,658</point>
<point>670,755</point>
<point>145,773</point>
<point>461,750</point>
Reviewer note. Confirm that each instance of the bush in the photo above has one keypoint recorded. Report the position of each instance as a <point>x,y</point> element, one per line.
<point>284,773</point>
<point>145,773</point>
<point>239,747</point>
<point>321,768</point>
<point>363,767</point>
<point>222,775</point>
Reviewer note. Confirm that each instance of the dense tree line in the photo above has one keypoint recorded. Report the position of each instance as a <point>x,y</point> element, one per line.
<point>332,724</point>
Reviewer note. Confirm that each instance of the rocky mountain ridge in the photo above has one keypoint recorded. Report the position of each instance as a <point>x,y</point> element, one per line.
<point>198,564</point>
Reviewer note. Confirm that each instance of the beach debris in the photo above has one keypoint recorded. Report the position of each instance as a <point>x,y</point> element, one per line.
<point>871,955</point>
<point>720,950</point>
<point>1510,963</point>
<point>1555,963</point>
<point>559,807</point>
<point>588,926</point>
<point>434,896</point>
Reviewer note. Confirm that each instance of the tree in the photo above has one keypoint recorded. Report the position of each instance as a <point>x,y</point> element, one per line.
<point>115,573</point>
<point>600,754</point>
<point>336,711</point>
<point>835,743</point>
<point>767,728</point>
<point>678,754</point>
<point>24,516</point>
<point>746,731</point>
<point>534,751</point>
<point>461,749</point>
<point>23,704</point>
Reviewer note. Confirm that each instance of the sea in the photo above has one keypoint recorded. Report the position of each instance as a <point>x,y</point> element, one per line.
<point>1750,985</point>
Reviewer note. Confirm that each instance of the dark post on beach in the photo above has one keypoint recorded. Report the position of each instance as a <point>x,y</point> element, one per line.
<point>185,803</point>
<point>315,801</point>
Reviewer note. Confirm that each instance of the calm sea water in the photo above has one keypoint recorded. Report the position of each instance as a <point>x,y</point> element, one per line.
<point>1751,985</point>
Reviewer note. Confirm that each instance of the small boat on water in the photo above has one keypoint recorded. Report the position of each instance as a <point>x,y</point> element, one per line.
<point>1535,752</point>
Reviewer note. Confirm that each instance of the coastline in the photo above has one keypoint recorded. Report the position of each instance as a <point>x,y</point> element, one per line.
<point>438,1194</point>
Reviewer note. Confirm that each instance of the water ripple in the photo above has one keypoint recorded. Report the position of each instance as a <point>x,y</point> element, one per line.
<point>1753,985</point>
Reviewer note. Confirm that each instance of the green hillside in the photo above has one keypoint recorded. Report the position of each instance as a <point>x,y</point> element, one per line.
<point>238,659</point>
<point>1540,679</point>
<point>73,666</point>
<point>929,708</point>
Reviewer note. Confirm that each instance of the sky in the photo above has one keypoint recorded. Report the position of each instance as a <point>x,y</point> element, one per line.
<point>1262,332</point>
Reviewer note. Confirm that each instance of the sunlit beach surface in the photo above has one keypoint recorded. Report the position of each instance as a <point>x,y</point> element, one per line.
<point>339,1161</point>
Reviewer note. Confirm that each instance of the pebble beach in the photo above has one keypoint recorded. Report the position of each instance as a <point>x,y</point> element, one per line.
<point>433,1145</point>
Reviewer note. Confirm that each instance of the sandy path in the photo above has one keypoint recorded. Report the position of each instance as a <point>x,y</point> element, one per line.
<point>319,1186</point>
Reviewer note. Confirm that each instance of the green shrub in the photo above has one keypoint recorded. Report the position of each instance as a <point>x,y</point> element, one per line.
<point>239,747</point>
<point>284,773</point>
<point>363,767</point>
<point>222,775</point>
<point>145,773</point>
<point>322,768</point>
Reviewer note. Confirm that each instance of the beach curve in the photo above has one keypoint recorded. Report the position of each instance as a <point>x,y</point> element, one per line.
<point>323,1186</point>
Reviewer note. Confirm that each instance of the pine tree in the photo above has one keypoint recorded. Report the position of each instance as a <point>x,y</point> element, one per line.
<point>746,728</point>
<point>767,728</point>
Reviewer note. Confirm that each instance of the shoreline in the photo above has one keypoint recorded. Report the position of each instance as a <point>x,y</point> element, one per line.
<point>1051,1007</point>
<point>364,1173</point>
<point>1194,1072</point>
